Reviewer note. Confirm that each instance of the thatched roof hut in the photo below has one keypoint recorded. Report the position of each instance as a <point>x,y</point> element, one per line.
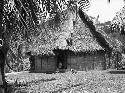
<point>72,31</point>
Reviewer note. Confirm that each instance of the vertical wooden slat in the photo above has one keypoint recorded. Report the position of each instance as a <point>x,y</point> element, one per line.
<point>44,63</point>
<point>70,61</point>
<point>35,64</point>
<point>38,64</point>
<point>41,63</point>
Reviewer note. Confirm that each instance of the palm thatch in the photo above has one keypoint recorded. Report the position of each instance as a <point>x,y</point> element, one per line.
<point>72,26</point>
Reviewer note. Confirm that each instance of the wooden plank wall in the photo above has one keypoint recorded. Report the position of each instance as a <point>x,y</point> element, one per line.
<point>45,64</point>
<point>51,64</point>
<point>86,62</point>
<point>79,62</point>
<point>37,64</point>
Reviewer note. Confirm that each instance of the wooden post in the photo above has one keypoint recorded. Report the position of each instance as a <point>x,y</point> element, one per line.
<point>1,83</point>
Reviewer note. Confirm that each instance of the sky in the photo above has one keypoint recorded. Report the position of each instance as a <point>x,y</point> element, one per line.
<point>105,10</point>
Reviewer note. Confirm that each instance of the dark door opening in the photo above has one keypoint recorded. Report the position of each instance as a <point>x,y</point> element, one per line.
<point>61,59</point>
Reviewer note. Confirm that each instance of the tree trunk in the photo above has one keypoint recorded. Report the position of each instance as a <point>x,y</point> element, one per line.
<point>2,65</point>
<point>1,29</point>
<point>1,16</point>
<point>3,52</point>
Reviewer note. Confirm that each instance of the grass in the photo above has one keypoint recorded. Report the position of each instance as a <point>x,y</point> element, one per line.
<point>81,82</point>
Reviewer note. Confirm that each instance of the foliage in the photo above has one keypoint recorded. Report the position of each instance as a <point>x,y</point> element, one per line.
<point>119,21</point>
<point>17,66</point>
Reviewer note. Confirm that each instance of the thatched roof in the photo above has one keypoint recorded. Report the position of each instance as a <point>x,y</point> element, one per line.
<point>55,32</point>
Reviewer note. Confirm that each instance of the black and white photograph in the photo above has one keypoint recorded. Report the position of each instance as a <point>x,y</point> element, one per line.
<point>62,46</point>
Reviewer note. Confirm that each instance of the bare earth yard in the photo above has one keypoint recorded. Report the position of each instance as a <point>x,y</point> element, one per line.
<point>81,82</point>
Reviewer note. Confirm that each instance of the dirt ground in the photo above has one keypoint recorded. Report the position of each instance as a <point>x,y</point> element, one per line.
<point>109,81</point>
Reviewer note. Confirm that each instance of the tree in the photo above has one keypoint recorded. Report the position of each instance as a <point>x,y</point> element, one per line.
<point>118,22</point>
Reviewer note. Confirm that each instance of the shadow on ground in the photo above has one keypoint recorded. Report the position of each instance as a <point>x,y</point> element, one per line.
<point>117,72</point>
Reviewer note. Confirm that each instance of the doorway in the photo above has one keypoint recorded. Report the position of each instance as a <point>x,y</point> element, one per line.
<point>61,59</point>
